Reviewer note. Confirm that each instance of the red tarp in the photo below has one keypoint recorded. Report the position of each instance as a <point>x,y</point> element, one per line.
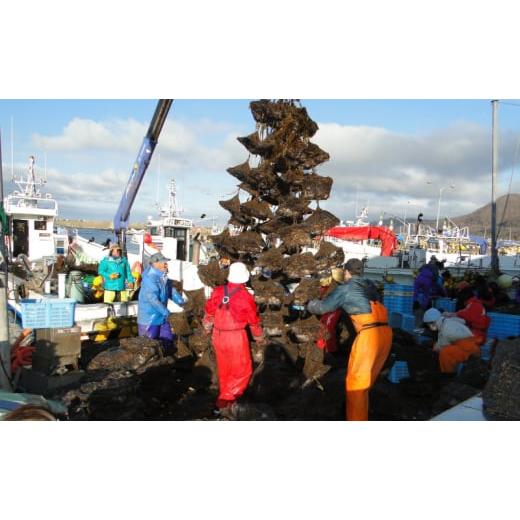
<point>388,238</point>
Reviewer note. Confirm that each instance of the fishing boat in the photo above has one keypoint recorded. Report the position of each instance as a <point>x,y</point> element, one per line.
<point>35,247</point>
<point>31,217</point>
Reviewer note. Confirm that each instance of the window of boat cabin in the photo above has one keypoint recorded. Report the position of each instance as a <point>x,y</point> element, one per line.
<point>40,225</point>
<point>154,230</point>
<point>178,233</point>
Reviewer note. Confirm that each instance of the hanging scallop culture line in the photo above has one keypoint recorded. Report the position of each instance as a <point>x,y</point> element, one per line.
<point>273,228</point>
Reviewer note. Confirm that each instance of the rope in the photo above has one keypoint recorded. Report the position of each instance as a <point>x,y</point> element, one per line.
<point>509,188</point>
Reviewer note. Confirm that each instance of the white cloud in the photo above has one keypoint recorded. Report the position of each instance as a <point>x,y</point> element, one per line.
<point>388,169</point>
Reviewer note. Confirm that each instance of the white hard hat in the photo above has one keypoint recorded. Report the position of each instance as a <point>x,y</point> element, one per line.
<point>431,315</point>
<point>238,273</point>
<point>191,280</point>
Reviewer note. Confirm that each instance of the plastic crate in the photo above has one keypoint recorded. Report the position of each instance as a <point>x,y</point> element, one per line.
<point>395,320</point>
<point>47,313</point>
<point>408,322</point>
<point>486,349</point>
<point>421,339</point>
<point>398,371</point>
<point>394,303</point>
<point>446,304</point>
<point>503,326</point>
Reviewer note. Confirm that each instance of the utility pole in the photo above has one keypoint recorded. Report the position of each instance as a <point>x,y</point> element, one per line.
<point>494,155</point>
<point>5,346</point>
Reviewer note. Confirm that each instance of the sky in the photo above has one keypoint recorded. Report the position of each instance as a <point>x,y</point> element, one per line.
<point>394,156</point>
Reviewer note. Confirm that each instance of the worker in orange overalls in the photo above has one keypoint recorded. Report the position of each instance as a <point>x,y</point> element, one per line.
<point>358,298</point>
<point>455,342</point>
<point>229,310</point>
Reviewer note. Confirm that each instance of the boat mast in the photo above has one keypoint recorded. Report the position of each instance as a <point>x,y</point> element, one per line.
<point>5,348</point>
<point>494,155</point>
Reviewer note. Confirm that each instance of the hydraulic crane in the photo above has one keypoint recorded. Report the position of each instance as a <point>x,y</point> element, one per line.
<point>140,166</point>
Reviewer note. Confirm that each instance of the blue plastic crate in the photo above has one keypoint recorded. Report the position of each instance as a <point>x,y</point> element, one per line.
<point>503,326</point>
<point>408,322</point>
<point>398,371</point>
<point>47,313</point>
<point>395,319</point>
<point>421,339</point>
<point>446,304</point>
<point>486,349</point>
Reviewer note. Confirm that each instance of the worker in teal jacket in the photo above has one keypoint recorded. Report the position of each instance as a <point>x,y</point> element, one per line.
<point>117,276</point>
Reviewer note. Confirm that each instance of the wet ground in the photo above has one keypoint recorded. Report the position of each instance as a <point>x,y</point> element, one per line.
<point>166,388</point>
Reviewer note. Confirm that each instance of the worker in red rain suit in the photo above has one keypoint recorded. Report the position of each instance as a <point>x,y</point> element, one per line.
<point>229,310</point>
<point>474,314</point>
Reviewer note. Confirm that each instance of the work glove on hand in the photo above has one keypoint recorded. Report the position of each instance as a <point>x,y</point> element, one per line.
<point>312,304</point>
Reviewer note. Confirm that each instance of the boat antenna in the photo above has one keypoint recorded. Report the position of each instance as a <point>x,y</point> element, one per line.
<point>12,149</point>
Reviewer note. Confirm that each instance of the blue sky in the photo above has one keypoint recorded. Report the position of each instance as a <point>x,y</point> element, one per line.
<point>394,154</point>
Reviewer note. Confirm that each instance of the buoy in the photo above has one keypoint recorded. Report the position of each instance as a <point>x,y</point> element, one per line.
<point>505,281</point>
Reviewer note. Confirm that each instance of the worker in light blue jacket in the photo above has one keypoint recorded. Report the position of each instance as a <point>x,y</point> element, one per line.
<point>117,276</point>
<point>156,289</point>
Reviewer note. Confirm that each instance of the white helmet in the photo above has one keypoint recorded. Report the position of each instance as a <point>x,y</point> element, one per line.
<point>191,280</point>
<point>238,273</point>
<point>431,315</point>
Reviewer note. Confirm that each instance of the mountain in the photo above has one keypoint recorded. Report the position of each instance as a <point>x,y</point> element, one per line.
<point>479,221</point>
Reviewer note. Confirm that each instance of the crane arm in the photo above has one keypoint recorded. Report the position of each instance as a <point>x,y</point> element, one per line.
<point>140,166</point>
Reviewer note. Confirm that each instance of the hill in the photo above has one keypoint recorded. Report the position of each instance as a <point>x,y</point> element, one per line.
<point>479,221</point>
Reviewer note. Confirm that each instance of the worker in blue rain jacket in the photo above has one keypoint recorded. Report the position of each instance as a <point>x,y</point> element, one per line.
<point>156,290</point>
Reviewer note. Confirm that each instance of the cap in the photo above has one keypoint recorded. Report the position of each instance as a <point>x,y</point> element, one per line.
<point>158,257</point>
<point>431,315</point>
<point>238,273</point>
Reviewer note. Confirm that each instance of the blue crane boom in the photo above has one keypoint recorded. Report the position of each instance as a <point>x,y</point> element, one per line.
<point>140,166</point>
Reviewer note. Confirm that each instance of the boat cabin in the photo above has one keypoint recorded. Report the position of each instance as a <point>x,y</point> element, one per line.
<point>31,219</point>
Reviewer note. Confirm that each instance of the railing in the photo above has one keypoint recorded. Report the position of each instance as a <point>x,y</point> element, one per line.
<point>15,203</point>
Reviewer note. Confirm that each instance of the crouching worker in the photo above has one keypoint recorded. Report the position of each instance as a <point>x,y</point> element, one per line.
<point>474,314</point>
<point>455,343</point>
<point>359,299</point>
<point>229,310</point>
<point>117,276</point>
<point>156,290</point>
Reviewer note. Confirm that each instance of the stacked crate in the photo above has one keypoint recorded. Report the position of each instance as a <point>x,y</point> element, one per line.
<point>398,298</point>
<point>503,325</point>
<point>446,304</point>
